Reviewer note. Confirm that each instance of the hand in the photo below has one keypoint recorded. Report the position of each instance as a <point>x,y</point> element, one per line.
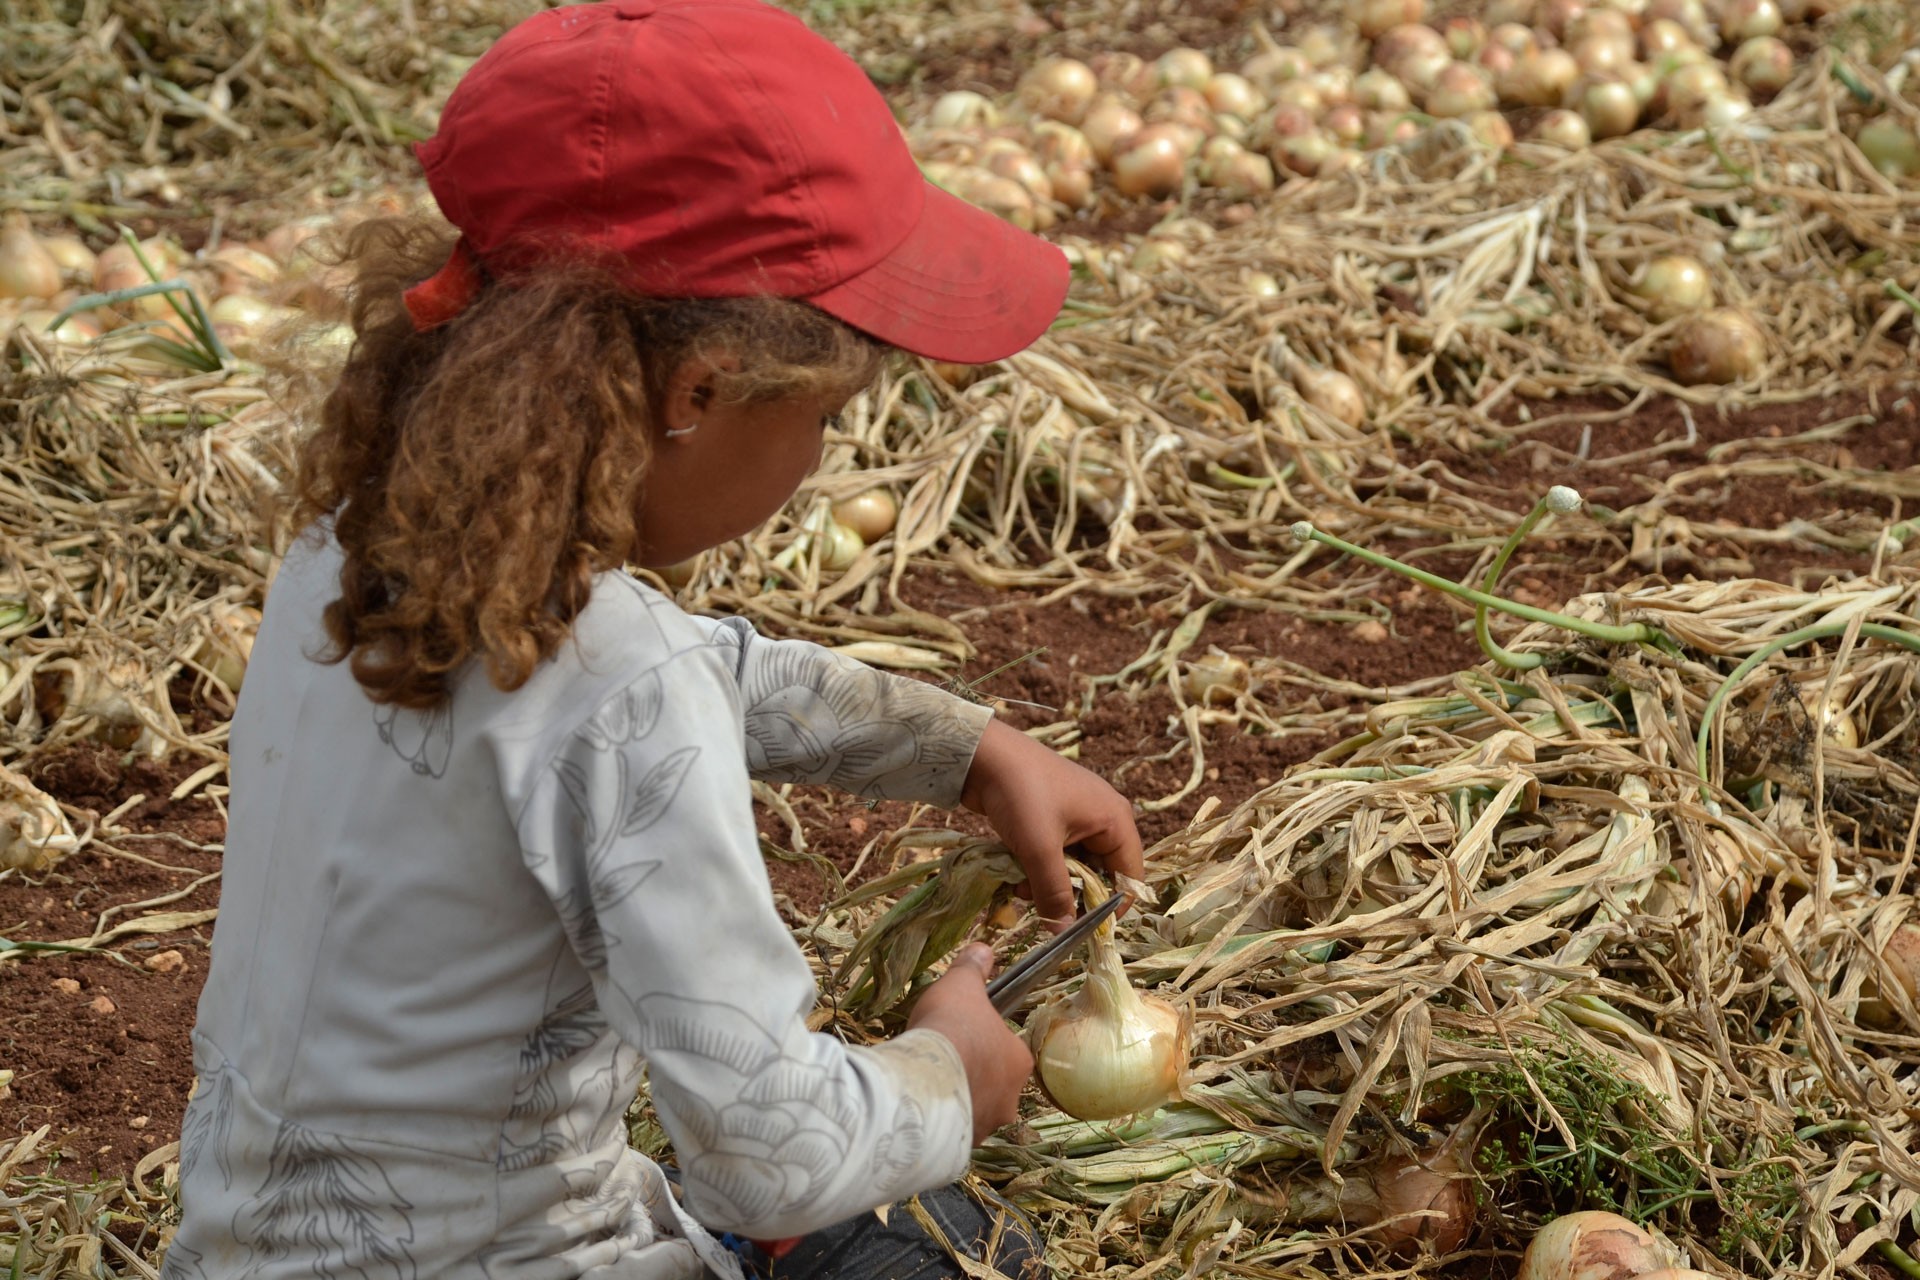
<point>1040,804</point>
<point>997,1061</point>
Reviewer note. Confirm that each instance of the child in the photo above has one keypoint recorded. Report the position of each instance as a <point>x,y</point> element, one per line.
<point>491,848</point>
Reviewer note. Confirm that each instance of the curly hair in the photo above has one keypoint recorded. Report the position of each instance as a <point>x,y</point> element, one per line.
<point>479,475</point>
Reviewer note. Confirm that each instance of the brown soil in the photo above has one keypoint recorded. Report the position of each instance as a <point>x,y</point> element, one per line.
<point>112,1083</point>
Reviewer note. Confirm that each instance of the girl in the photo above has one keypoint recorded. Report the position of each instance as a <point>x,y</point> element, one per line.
<point>491,848</point>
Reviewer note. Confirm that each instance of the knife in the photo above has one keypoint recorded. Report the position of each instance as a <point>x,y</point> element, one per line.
<point>1039,964</point>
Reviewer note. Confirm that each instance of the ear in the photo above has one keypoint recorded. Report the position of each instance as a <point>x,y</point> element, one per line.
<point>690,390</point>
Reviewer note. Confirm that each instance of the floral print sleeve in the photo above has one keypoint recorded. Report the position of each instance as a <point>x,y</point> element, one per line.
<point>811,715</point>
<point>641,832</point>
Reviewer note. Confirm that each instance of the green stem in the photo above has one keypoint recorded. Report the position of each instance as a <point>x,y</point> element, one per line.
<point>1489,646</point>
<point>1632,633</point>
<point>1900,1259</point>
<point>1819,631</point>
<point>1893,288</point>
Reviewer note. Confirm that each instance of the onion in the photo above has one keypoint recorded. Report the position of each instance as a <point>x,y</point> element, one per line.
<point>1062,144</point>
<point>1390,130</point>
<point>1276,66</point>
<point>1719,346</point>
<point>239,268</point>
<point>1745,19</point>
<point>1540,78</point>
<point>34,832</point>
<point>1763,64</point>
<point>1399,48</point>
<point>1215,677</point>
<point>1511,13</point>
<point>1663,37</point>
<point>1332,393</point>
<point>839,547</point>
<point>1513,37</point>
<point>27,270</point>
<point>1721,110</point>
<point>1380,90</point>
<point>1490,129</point>
<point>1610,107</point>
<point>1459,89</point>
<point>74,331</point>
<point>71,255</point>
<point>1302,94</point>
<point>1605,24</point>
<point>1323,45</point>
<point>1059,89</point>
<point>870,515</point>
<point>1109,122</point>
<point>1376,17</point>
<point>1125,74</point>
<point>242,320</point>
<point>227,645</point>
<point>1346,123</point>
<point>1674,285</point>
<point>1002,197</point>
<point>1426,1200</point>
<point>1497,60</point>
<point>1185,107</point>
<point>1290,122</point>
<point>1189,68</point>
<point>1890,146</point>
<point>1901,956</point>
<point>1690,15</point>
<point>1830,716</point>
<point>963,109</point>
<point>1233,95</point>
<point>1306,154</point>
<point>1108,1051</point>
<point>1600,54</point>
<point>1465,36</point>
<point>1591,1245</point>
<point>1686,90</point>
<point>1011,160</point>
<point>1261,285</point>
<point>1240,173</point>
<point>1153,162</point>
<point>1072,186</point>
<point>1559,16</point>
<point>1563,129</point>
<point>1157,253</point>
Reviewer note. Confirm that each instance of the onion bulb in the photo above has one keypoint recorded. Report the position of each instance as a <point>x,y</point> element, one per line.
<point>1540,78</point>
<point>1560,16</point>
<point>1185,67</point>
<point>1276,66</point>
<point>1720,345</point>
<point>1673,285</point>
<point>1460,89</point>
<point>963,109</point>
<point>1610,107</point>
<point>1901,956</point>
<point>1377,17</point>
<point>1346,123</point>
<point>1563,129</point>
<point>839,547</point>
<point>1890,145</point>
<point>1399,48</point>
<point>1331,392</point>
<point>1233,95</point>
<point>1215,677</point>
<point>1002,197</point>
<point>1240,173</point>
<point>1465,36</point>
<point>1490,129</point>
<point>1109,122</point>
<point>1059,89</point>
<point>1261,285</point>
<point>71,255</point>
<point>1763,64</point>
<point>74,331</point>
<point>1377,89</point>
<point>1124,74</point>
<point>1829,716</point>
<point>1108,1051</point>
<point>1513,37</point>
<point>1511,13</point>
<point>227,645</point>
<point>27,270</point>
<point>1745,19</point>
<point>34,832</point>
<point>1306,154</point>
<point>240,268</point>
<point>1591,1245</point>
<point>871,514</point>
<point>1153,162</point>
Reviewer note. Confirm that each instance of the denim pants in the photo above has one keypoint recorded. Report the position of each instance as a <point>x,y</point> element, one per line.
<point>976,1223</point>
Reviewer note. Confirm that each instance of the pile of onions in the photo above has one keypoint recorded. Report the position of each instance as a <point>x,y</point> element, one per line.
<point>1718,345</point>
<point>1107,1050</point>
<point>1592,1245</point>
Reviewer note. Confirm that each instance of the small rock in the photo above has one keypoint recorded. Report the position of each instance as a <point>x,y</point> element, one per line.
<point>139,1122</point>
<point>66,986</point>
<point>1372,631</point>
<point>103,1004</point>
<point>166,962</point>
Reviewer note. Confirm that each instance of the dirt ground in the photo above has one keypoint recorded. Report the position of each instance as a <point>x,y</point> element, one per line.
<point>98,1042</point>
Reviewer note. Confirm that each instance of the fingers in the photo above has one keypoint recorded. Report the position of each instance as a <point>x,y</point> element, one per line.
<point>1117,847</point>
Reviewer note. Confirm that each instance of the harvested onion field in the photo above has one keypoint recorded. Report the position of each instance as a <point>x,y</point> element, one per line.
<point>1503,874</point>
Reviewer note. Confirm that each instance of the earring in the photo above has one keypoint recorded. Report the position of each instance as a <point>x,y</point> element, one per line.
<point>687,430</point>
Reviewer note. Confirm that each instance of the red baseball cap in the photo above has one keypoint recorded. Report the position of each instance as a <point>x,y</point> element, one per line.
<point>719,148</point>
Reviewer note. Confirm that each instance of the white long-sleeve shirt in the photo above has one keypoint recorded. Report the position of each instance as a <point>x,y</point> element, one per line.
<point>449,942</point>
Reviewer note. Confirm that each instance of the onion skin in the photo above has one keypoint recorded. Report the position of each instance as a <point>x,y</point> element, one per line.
<point>1332,393</point>
<point>1188,67</point>
<point>871,515</point>
<point>1591,1245</point>
<point>1109,123</point>
<point>1890,146</point>
<point>1152,163</point>
<point>1108,1051</point>
<point>1901,956</point>
<point>1720,346</point>
<point>1564,129</point>
<point>26,269</point>
<point>1673,285</point>
<point>1215,678</point>
<point>1059,89</point>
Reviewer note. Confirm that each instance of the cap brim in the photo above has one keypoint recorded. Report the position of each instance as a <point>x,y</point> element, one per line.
<point>963,286</point>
